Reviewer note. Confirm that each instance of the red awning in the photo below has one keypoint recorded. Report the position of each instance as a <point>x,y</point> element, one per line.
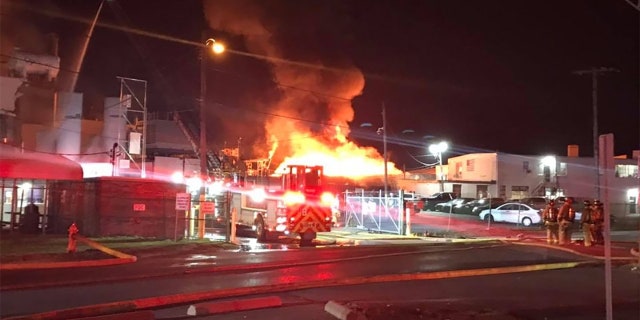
<point>22,164</point>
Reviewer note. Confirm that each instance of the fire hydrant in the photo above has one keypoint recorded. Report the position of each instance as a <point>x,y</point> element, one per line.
<point>73,230</point>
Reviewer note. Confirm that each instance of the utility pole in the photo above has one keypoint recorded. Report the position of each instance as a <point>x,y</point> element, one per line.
<point>384,147</point>
<point>203,123</point>
<point>595,72</point>
<point>204,172</point>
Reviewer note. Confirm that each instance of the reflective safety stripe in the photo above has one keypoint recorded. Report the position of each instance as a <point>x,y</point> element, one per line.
<point>310,218</point>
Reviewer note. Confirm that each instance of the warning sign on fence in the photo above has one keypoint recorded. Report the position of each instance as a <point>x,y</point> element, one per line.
<point>183,201</point>
<point>208,207</point>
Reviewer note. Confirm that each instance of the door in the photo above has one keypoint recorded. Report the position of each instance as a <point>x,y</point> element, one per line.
<point>482,191</point>
<point>509,213</point>
<point>457,189</point>
<point>514,213</point>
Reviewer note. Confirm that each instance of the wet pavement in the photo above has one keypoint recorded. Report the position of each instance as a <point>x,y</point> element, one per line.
<point>246,253</point>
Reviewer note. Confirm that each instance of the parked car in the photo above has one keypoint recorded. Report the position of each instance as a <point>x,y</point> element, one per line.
<point>578,205</point>
<point>535,202</point>
<point>429,203</point>
<point>413,201</point>
<point>467,208</point>
<point>512,212</point>
<point>452,205</point>
<point>486,203</point>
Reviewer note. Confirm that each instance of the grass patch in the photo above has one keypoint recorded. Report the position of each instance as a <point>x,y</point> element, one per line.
<point>21,244</point>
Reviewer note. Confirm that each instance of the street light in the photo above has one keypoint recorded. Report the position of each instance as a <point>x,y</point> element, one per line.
<point>216,48</point>
<point>437,149</point>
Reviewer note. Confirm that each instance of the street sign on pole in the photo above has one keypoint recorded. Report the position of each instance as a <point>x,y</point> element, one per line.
<point>183,201</point>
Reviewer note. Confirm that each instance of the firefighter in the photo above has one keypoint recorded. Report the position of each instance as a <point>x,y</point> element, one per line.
<point>587,224</point>
<point>550,217</point>
<point>566,215</point>
<point>597,215</point>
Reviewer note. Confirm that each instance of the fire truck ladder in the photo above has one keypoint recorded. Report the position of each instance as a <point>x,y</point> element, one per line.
<point>214,163</point>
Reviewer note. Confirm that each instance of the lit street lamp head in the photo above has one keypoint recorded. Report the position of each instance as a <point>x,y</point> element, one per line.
<point>216,47</point>
<point>438,148</point>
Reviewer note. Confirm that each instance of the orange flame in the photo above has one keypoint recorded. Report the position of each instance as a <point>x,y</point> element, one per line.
<point>339,157</point>
<point>314,94</point>
<point>274,146</point>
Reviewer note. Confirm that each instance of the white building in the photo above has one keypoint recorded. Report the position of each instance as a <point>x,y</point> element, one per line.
<point>511,176</point>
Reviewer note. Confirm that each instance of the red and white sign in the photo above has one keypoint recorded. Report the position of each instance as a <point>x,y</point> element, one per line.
<point>208,207</point>
<point>139,207</point>
<point>183,201</point>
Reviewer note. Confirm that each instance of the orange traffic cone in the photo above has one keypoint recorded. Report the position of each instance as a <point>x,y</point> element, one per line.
<point>73,230</point>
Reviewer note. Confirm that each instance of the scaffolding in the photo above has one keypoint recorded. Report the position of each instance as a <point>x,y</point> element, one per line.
<point>133,106</point>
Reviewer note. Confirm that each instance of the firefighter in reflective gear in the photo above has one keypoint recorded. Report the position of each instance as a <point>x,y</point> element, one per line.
<point>587,224</point>
<point>597,215</point>
<point>550,217</point>
<point>566,215</point>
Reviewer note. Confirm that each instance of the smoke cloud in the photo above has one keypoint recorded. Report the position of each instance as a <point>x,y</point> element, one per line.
<point>312,100</point>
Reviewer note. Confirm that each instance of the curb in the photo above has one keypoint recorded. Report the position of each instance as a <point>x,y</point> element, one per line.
<point>120,258</point>
<point>342,312</point>
<point>136,315</point>
<point>209,308</point>
<point>186,298</point>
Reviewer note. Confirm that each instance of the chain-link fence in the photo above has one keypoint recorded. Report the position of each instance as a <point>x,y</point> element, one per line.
<point>372,210</point>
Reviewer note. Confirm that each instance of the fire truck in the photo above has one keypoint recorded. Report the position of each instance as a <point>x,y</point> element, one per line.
<point>299,206</point>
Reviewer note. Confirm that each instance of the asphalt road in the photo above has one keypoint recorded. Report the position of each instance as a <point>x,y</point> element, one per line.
<point>374,278</point>
<point>569,294</point>
<point>296,266</point>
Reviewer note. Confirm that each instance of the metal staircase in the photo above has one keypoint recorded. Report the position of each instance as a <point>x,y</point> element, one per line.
<point>214,163</point>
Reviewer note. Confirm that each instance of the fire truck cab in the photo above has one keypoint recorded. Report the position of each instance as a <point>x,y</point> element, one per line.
<point>300,206</point>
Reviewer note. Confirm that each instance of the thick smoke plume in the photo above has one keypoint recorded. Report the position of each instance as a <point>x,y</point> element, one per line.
<point>314,101</point>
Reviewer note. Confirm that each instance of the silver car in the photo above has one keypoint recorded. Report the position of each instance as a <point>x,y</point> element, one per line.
<point>512,212</point>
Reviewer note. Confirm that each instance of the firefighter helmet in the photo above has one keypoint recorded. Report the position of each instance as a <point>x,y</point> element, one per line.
<point>587,203</point>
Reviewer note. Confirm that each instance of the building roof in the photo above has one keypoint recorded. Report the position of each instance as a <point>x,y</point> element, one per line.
<point>22,164</point>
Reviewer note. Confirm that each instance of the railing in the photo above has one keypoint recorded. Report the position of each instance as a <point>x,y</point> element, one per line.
<point>178,119</point>
<point>213,162</point>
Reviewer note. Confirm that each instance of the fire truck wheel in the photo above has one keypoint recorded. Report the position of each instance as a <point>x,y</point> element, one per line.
<point>261,233</point>
<point>307,238</point>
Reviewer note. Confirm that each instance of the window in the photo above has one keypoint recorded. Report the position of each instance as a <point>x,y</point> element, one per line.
<point>562,169</point>
<point>470,164</point>
<point>626,171</point>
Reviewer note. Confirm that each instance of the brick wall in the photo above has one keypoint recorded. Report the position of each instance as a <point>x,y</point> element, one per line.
<point>113,206</point>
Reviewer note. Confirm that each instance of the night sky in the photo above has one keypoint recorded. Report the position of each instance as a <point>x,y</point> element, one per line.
<point>485,75</point>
